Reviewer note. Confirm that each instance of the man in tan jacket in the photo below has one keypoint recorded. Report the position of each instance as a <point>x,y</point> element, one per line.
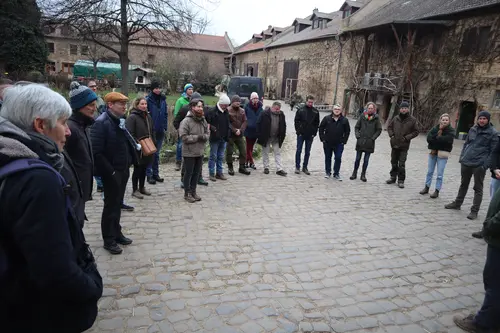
<point>238,120</point>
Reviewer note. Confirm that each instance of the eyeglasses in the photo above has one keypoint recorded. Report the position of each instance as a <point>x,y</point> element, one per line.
<point>92,86</point>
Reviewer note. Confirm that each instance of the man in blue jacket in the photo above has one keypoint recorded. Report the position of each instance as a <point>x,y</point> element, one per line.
<point>157,107</point>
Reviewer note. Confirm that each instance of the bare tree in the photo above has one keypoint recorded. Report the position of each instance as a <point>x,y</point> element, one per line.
<point>96,53</point>
<point>114,24</point>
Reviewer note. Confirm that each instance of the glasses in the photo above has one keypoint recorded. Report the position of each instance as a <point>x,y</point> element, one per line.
<point>92,86</point>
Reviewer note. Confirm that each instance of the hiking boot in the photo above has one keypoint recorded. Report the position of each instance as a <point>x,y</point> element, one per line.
<point>144,191</point>
<point>391,181</point>
<point>178,165</point>
<point>468,324</point>
<point>127,208</point>
<point>202,181</point>
<point>401,185</point>
<point>196,197</point>
<point>304,170</point>
<point>220,176</point>
<point>151,181</point>
<point>478,234</point>
<point>122,240</point>
<point>100,189</point>
<point>354,175</point>
<point>425,190</point>
<point>243,170</point>
<point>212,178</point>
<point>252,166</point>
<point>435,194</point>
<point>472,215</point>
<point>137,194</point>
<point>337,177</point>
<point>189,198</point>
<point>230,170</point>
<point>266,171</point>
<point>297,171</point>
<point>452,205</point>
<point>281,173</point>
<point>158,179</point>
<point>113,248</point>
<point>363,177</point>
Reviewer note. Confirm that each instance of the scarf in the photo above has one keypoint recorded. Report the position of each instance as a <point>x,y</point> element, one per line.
<point>368,116</point>
<point>255,107</point>
<point>47,150</point>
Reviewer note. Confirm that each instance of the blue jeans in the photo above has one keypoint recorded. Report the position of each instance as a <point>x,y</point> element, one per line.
<point>487,317</point>
<point>330,151</point>
<point>494,186</point>
<point>358,161</point>
<point>441,164</point>
<point>153,169</point>
<point>300,143</point>
<point>217,150</point>
<point>178,152</point>
<point>98,181</point>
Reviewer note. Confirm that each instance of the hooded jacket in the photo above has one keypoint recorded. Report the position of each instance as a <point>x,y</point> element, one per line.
<point>252,115</point>
<point>157,107</point>
<point>52,283</point>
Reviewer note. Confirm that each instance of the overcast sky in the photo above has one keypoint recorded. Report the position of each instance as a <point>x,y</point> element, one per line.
<point>242,18</point>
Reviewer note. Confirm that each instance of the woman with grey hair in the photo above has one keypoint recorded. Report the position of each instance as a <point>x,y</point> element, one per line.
<point>50,281</point>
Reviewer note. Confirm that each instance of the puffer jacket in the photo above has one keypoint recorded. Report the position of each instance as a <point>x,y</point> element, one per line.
<point>479,146</point>
<point>194,134</point>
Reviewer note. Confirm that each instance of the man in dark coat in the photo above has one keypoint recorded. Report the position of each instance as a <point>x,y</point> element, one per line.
<point>49,279</point>
<point>306,127</point>
<point>334,132</point>
<point>253,110</point>
<point>220,130</point>
<point>271,132</point>
<point>157,107</point>
<point>475,159</point>
<point>113,158</point>
<point>83,102</point>
<point>402,129</point>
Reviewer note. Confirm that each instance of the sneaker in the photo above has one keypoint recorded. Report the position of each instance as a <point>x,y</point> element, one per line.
<point>327,175</point>
<point>304,170</point>
<point>266,171</point>
<point>145,192</point>
<point>472,216</point>
<point>401,185</point>
<point>281,173</point>
<point>252,166</point>
<point>113,248</point>
<point>158,179</point>
<point>452,205</point>
<point>212,178</point>
<point>127,208</point>
<point>220,176</point>
<point>189,198</point>
<point>122,240</point>
<point>137,194</point>
<point>337,177</point>
<point>151,181</point>
<point>297,171</point>
<point>468,324</point>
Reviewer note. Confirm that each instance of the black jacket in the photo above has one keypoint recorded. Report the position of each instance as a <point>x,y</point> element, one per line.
<point>444,142</point>
<point>79,148</point>
<point>52,283</point>
<point>220,125</point>
<point>334,132</point>
<point>111,148</point>
<point>74,189</point>
<point>140,126</point>
<point>495,160</point>
<point>264,128</point>
<point>307,121</point>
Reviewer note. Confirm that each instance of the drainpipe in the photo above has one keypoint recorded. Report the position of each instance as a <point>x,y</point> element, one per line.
<point>267,70</point>
<point>338,72</point>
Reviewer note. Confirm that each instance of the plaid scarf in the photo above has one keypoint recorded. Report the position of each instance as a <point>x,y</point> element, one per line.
<point>368,116</point>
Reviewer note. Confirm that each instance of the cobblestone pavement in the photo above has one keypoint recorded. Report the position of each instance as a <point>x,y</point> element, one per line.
<point>264,253</point>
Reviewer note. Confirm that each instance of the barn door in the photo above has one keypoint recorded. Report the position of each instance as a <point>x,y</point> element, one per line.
<point>290,76</point>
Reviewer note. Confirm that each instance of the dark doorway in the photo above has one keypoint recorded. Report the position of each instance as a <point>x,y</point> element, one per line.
<point>466,117</point>
<point>252,69</point>
<point>290,71</point>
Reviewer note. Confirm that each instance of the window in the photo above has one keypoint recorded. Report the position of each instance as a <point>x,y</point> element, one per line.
<point>67,68</point>
<point>51,47</point>
<point>315,24</point>
<point>320,23</point>
<point>48,29</point>
<point>346,13</point>
<point>84,50</point>
<point>151,59</point>
<point>296,28</point>
<point>66,30</point>
<point>475,41</point>
<point>496,100</point>
<point>50,67</point>
<point>73,49</point>
<point>437,44</point>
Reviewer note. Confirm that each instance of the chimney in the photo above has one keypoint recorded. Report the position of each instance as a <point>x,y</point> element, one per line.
<point>269,27</point>
<point>315,10</point>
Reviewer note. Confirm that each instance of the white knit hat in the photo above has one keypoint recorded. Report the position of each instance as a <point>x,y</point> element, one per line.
<point>224,100</point>
<point>254,95</point>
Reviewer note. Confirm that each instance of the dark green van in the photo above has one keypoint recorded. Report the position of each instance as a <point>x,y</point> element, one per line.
<point>244,86</point>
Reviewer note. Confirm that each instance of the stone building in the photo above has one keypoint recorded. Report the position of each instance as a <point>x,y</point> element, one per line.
<point>65,48</point>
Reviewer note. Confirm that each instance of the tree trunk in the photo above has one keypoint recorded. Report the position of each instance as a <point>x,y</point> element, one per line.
<point>124,61</point>
<point>95,70</point>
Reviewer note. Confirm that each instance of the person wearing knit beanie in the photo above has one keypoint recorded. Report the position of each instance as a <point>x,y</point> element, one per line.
<point>224,100</point>
<point>80,95</point>
<point>484,114</point>
<point>235,99</point>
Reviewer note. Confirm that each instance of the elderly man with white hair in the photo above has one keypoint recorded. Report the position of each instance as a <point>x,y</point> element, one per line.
<point>49,279</point>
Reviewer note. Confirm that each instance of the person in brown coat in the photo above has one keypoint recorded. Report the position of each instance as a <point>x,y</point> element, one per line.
<point>140,125</point>
<point>238,120</point>
<point>402,129</point>
<point>194,134</point>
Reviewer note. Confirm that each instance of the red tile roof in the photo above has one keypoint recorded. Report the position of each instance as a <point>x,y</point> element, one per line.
<point>251,47</point>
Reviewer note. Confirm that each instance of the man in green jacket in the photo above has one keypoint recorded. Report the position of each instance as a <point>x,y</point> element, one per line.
<point>486,320</point>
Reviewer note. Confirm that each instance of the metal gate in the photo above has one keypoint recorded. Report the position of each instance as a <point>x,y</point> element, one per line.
<point>290,71</point>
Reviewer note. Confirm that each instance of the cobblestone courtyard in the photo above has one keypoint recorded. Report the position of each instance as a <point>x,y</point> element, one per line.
<point>264,253</point>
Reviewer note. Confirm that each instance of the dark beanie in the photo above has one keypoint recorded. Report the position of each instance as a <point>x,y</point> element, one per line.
<point>155,84</point>
<point>235,98</point>
<point>485,114</point>
<point>404,104</point>
<point>195,95</point>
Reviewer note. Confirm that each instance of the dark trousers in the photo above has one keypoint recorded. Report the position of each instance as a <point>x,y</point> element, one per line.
<point>192,167</point>
<point>466,175</point>
<point>183,170</point>
<point>358,160</point>
<point>300,143</point>
<point>487,317</point>
<point>250,145</point>
<point>398,162</point>
<point>333,150</point>
<point>240,144</point>
<point>114,191</point>
<point>138,177</point>
<point>154,168</point>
